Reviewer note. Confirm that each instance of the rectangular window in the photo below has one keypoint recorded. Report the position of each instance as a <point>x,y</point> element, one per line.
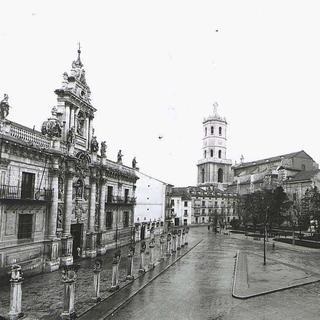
<point>27,185</point>
<point>125,219</point>
<point>203,203</point>
<point>126,195</point>
<point>216,203</point>
<point>109,219</point>
<point>185,213</point>
<point>186,203</point>
<point>172,202</point>
<point>110,194</point>
<point>294,196</point>
<point>203,211</point>
<point>185,222</point>
<point>25,226</point>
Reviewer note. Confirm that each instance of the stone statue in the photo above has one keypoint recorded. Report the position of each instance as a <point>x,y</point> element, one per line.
<point>80,124</point>
<point>103,149</point>
<point>94,144</point>
<point>134,163</point>
<point>52,127</point>
<point>4,107</point>
<point>120,155</point>
<point>70,137</point>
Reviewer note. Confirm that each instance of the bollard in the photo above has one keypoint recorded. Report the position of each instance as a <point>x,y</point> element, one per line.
<point>169,244</point>
<point>182,237</point>
<point>15,292</point>
<point>179,240</point>
<point>142,253</point>
<point>161,248</point>
<point>130,263</point>
<point>69,276</point>
<point>151,247</point>
<point>186,236</point>
<point>96,279</point>
<point>174,242</point>
<point>115,271</point>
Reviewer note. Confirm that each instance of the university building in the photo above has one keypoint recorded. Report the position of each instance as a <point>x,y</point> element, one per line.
<point>60,197</point>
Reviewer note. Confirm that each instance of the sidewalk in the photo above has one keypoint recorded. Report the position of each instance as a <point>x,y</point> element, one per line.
<point>252,278</point>
<point>42,294</point>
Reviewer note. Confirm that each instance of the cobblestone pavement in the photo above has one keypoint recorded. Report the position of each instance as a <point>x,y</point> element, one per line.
<point>42,294</point>
<point>199,286</point>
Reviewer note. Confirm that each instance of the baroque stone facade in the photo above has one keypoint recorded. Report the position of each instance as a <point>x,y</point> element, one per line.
<point>60,199</point>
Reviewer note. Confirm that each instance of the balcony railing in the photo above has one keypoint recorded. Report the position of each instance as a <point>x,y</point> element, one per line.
<point>121,200</point>
<point>18,193</point>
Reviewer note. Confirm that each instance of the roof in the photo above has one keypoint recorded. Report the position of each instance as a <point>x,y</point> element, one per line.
<point>304,175</point>
<point>271,159</point>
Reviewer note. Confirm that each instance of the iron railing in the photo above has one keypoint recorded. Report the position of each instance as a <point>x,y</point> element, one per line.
<point>18,193</point>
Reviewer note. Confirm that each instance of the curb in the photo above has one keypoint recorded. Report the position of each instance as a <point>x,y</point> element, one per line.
<point>243,297</point>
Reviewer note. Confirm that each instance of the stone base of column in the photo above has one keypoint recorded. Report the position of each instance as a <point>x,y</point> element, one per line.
<point>142,270</point>
<point>114,288</point>
<point>14,316</point>
<point>68,316</point>
<point>66,261</point>
<point>101,250</point>
<point>52,265</point>
<point>129,277</point>
<point>91,253</point>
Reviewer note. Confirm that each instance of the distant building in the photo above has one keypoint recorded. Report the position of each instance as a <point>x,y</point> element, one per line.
<point>151,208</point>
<point>59,198</point>
<point>288,170</point>
<point>195,205</point>
<point>214,169</point>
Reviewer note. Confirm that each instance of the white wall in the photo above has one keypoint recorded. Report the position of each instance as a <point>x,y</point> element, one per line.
<point>150,199</point>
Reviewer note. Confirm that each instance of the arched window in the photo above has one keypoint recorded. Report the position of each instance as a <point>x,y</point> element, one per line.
<point>211,153</point>
<point>205,153</point>
<point>220,175</point>
<point>219,154</point>
<point>202,175</point>
<point>205,131</point>
<point>220,131</point>
<point>211,129</point>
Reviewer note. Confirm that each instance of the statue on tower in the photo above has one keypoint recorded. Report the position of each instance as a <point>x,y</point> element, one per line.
<point>134,163</point>
<point>120,155</point>
<point>94,144</point>
<point>4,107</point>
<point>70,137</point>
<point>103,149</point>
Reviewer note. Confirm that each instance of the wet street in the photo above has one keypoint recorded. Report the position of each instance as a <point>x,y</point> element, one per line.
<point>199,285</point>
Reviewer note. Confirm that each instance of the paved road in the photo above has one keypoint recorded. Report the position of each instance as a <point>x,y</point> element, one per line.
<point>199,286</point>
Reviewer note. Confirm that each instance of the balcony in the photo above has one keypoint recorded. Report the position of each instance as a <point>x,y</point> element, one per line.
<point>118,200</point>
<point>17,193</point>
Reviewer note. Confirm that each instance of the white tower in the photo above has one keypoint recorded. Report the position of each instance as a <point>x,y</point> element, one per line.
<point>214,169</point>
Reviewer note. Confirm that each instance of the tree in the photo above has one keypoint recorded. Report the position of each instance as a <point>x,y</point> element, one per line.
<point>311,207</point>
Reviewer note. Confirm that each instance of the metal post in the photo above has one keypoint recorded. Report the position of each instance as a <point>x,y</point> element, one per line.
<point>115,271</point>
<point>161,247</point>
<point>130,262</point>
<point>169,244</point>
<point>142,253</point>
<point>264,245</point>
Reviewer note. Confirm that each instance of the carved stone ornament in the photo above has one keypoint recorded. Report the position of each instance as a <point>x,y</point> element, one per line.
<point>134,163</point>
<point>70,137</point>
<point>103,149</point>
<point>4,107</point>
<point>94,144</point>
<point>82,164</point>
<point>52,127</point>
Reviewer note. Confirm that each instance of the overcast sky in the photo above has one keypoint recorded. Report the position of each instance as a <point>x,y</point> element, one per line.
<point>156,67</point>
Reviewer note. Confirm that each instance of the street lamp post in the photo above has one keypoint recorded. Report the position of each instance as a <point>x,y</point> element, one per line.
<point>264,237</point>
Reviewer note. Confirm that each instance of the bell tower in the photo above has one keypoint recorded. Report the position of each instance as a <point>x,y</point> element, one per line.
<point>214,169</point>
<point>74,108</point>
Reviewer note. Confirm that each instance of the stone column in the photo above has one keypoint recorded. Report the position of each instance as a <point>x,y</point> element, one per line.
<point>69,277</point>
<point>96,280</point>
<point>142,253</point>
<point>151,248</point>
<point>179,240</point>
<point>53,262</point>
<point>130,263</point>
<point>67,258</point>
<point>161,247</point>
<point>169,244</point>
<point>15,292</point>
<point>102,227</point>
<point>91,252</point>
<point>174,242</point>
<point>186,237</point>
<point>115,271</point>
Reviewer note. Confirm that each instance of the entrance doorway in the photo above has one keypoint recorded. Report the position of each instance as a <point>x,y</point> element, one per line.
<point>76,232</point>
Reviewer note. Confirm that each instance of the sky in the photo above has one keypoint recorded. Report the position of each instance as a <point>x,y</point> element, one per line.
<point>155,68</point>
